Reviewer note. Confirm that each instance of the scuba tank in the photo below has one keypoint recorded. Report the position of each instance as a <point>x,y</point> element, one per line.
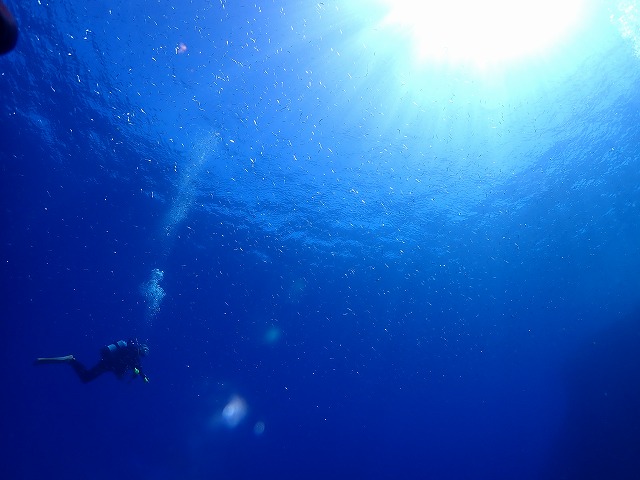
<point>111,349</point>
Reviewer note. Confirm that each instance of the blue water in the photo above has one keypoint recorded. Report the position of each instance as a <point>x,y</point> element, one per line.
<point>346,265</point>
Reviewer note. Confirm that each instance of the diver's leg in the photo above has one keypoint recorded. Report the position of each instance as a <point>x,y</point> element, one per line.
<point>88,375</point>
<point>42,361</point>
<point>85,375</point>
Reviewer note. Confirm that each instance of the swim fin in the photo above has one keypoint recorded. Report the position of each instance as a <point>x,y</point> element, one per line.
<point>41,361</point>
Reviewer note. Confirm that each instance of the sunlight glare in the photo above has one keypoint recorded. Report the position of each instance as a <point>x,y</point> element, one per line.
<point>482,33</point>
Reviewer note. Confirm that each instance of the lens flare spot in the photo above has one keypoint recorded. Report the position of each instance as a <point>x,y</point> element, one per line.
<point>272,335</point>
<point>181,48</point>
<point>234,411</point>
<point>258,428</point>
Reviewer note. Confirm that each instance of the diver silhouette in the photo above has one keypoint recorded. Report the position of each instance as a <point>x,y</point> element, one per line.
<point>118,357</point>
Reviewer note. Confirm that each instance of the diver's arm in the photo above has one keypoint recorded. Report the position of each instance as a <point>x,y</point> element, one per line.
<point>137,371</point>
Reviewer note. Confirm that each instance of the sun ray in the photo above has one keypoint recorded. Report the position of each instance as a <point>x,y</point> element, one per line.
<point>484,33</point>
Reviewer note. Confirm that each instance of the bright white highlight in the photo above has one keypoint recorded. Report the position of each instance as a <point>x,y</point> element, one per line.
<point>234,411</point>
<point>628,19</point>
<point>482,33</point>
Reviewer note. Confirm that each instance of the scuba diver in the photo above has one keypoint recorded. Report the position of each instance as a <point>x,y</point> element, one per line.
<point>117,358</point>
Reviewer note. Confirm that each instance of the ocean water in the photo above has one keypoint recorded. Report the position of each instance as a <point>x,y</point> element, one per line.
<point>346,263</point>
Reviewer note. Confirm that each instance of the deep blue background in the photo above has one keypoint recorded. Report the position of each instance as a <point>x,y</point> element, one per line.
<point>448,263</point>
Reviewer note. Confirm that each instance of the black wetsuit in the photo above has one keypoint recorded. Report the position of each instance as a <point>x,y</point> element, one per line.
<point>117,358</point>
